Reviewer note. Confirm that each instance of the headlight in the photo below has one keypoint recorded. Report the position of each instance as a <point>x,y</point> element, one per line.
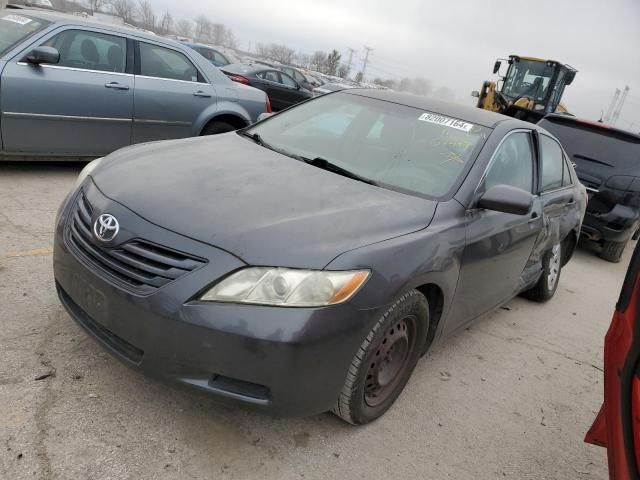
<point>84,173</point>
<point>287,287</point>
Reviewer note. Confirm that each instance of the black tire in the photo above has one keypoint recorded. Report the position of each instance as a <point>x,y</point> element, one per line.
<point>395,342</point>
<point>612,251</point>
<point>550,278</point>
<point>216,127</point>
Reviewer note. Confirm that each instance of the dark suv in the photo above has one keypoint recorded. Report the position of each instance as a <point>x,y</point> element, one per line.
<point>607,161</point>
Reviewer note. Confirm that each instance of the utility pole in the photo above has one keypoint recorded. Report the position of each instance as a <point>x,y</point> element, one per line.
<point>623,98</point>
<point>351,52</point>
<point>366,60</point>
<point>612,105</point>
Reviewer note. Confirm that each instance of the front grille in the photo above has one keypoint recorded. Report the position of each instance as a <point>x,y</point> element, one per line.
<point>137,265</point>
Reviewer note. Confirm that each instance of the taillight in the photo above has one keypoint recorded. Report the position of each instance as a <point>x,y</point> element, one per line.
<point>268,105</point>
<point>239,78</point>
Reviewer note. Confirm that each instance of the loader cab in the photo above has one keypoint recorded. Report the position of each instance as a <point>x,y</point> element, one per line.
<point>533,87</point>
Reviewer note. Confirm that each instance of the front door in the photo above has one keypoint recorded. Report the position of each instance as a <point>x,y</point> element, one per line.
<point>81,106</point>
<point>499,245</point>
<point>170,94</point>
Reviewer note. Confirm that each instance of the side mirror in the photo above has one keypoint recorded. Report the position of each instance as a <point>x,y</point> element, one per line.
<point>475,93</point>
<point>507,199</point>
<point>41,55</point>
<point>264,116</point>
<point>496,66</point>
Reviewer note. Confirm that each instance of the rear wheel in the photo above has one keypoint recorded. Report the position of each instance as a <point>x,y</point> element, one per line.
<point>385,360</point>
<point>548,281</point>
<point>612,251</point>
<point>216,127</point>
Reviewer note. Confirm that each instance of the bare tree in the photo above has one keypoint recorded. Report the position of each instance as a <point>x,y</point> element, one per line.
<point>421,86</point>
<point>230,40</point>
<point>165,26</point>
<point>343,71</point>
<point>184,28</point>
<point>281,53</point>
<point>96,5</point>
<point>332,63</point>
<point>147,15</point>
<point>444,93</point>
<point>203,28</point>
<point>405,85</point>
<point>318,60</point>
<point>125,9</point>
<point>303,59</point>
<point>218,33</point>
<point>263,50</point>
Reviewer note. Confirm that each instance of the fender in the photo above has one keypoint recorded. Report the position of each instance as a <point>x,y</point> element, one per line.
<point>224,107</point>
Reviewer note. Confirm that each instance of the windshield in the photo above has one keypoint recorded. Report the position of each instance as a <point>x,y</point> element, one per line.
<point>16,27</point>
<point>528,78</point>
<point>395,146</point>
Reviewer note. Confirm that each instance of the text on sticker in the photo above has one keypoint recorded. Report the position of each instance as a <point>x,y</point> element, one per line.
<point>446,121</point>
<point>16,19</point>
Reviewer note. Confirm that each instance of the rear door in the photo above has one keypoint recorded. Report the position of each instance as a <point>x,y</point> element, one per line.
<point>617,426</point>
<point>557,194</point>
<point>294,93</point>
<point>170,95</point>
<point>81,106</point>
<point>270,83</point>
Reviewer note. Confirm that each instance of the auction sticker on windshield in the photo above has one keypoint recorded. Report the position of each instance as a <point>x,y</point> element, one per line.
<point>446,121</point>
<point>16,19</point>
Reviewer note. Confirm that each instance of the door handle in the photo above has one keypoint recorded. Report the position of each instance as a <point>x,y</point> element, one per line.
<point>534,217</point>
<point>571,201</point>
<point>117,86</point>
<point>202,94</point>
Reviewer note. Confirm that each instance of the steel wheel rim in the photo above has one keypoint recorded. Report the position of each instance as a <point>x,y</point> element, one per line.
<point>390,361</point>
<point>554,266</point>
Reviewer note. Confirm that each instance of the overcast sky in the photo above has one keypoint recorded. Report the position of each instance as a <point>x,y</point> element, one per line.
<point>454,43</point>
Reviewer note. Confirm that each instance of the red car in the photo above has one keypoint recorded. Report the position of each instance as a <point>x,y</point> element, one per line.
<point>617,426</point>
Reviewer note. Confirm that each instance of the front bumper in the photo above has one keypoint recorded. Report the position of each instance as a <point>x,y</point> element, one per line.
<point>289,361</point>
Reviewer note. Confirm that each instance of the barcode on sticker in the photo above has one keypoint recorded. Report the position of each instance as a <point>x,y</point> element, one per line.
<point>446,121</point>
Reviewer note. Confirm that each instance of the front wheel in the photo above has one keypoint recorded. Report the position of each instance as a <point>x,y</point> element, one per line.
<point>384,362</point>
<point>217,127</point>
<point>548,281</point>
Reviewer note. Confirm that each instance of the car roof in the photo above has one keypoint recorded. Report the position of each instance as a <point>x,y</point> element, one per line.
<point>469,114</point>
<point>199,45</point>
<point>66,19</point>
<point>597,127</point>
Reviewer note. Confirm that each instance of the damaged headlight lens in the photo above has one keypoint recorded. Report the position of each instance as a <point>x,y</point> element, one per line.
<point>287,287</point>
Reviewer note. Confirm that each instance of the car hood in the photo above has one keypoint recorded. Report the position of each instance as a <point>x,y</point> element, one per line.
<point>264,207</point>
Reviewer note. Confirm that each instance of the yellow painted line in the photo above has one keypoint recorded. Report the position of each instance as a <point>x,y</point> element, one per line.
<point>36,252</point>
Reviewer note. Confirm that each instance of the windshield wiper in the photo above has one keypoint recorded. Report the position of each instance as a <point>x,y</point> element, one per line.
<point>332,167</point>
<point>257,139</point>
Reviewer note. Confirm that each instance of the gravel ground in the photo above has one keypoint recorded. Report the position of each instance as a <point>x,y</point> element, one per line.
<point>510,397</point>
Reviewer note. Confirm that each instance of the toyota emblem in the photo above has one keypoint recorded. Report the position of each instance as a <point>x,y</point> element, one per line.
<point>106,227</point>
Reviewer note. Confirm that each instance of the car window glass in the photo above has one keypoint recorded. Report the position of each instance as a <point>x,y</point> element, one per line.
<point>206,53</point>
<point>566,177</point>
<point>512,163</point>
<point>163,62</point>
<point>287,80</point>
<point>552,164</point>
<point>271,76</point>
<point>90,50</point>
<point>218,57</point>
<point>400,147</point>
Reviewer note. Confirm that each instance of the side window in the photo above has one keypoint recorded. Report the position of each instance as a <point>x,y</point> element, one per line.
<point>271,76</point>
<point>287,80</point>
<point>512,163</point>
<point>206,53</point>
<point>90,50</point>
<point>218,57</point>
<point>566,177</point>
<point>552,164</point>
<point>163,62</point>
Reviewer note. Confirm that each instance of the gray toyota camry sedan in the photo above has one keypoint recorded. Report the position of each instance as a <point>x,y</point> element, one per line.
<point>306,263</point>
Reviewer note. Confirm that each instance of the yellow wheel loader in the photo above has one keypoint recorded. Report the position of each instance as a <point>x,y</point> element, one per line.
<point>530,89</point>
